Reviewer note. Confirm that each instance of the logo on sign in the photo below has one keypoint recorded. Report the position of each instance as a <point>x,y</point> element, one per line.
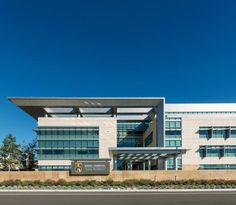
<point>78,167</point>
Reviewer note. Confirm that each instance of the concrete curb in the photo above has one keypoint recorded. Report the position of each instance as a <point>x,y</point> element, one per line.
<point>115,190</point>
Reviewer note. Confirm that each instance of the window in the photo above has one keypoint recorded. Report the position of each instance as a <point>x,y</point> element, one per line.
<point>148,140</point>
<point>64,143</point>
<point>60,151</point>
<point>217,166</point>
<point>216,132</point>
<point>230,151</point>
<point>173,134</point>
<point>170,164</point>
<point>220,133</point>
<point>217,151</point>
<point>205,133</point>
<point>173,143</point>
<point>233,133</point>
<point>173,124</point>
<point>130,134</point>
<point>213,152</point>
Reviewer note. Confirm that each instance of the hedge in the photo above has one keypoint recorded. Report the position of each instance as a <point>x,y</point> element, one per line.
<point>126,183</point>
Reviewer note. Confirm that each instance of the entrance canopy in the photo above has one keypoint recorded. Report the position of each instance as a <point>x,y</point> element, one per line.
<point>145,153</point>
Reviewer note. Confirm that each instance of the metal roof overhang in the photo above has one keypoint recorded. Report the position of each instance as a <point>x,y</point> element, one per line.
<point>37,106</point>
<point>145,153</point>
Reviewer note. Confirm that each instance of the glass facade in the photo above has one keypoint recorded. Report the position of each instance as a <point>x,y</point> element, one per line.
<point>171,166</point>
<point>217,132</point>
<point>217,151</point>
<point>173,138</point>
<point>68,143</point>
<point>148,140</point>
<point>130,134</point>
<point>173,133</point>
<point>218,166</point>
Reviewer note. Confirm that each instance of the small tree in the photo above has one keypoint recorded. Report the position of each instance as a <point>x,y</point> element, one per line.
<point>10,153</point>
<point>28,156</point>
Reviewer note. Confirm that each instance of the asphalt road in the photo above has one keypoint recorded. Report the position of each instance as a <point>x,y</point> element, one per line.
<point>212,198</point>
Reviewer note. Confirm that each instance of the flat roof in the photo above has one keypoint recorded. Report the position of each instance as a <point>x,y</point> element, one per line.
<point>200,107</point>
<point>41,106</point>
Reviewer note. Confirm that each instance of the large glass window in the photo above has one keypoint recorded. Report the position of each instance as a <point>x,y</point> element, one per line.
<point>217,132</point>
<point>218,166</point>
<point>170,163</point>
<point>230,151</point>
<point>68,143</point>
<point>130,134</point>
<point>148,140</point>
<point>233,133</point>
<point>173,143</point>
<point>173,133</point>
<point>173,124</point>
<point>220,133</point>
<point>205,133</point>
<point>213,152</point>
<point>217,151</point>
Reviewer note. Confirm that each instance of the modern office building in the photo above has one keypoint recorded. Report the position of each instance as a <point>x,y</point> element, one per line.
<point>132,133</point>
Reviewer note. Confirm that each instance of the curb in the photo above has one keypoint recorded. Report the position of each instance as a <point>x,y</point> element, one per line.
<point>115,190</point>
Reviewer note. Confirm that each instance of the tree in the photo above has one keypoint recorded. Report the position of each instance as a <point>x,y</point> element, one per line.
<point>28,156</point>
<point>10,153</point>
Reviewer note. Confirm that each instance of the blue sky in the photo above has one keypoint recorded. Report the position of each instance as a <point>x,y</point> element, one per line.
<point>184,50</point>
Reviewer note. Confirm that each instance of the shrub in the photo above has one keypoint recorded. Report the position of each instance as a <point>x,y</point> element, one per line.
<point>127,183</point>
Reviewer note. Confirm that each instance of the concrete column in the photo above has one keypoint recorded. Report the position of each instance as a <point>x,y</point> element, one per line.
<point>165,163</point>
<point>149,164</point>
<point>131,165</point>
<point>144,165</point>
<point>176,162</point>
<point>126,165</point>
<point>160,124</point>
<point>114,162</point>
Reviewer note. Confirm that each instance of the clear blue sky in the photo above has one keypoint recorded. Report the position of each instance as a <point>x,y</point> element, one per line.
<point>184,50</point>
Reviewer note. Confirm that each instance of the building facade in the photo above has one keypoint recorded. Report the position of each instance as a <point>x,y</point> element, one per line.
<point>133,133</point>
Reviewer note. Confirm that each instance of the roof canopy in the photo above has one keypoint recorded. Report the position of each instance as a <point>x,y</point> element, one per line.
<point>137,107</point>
<point>145,153</point>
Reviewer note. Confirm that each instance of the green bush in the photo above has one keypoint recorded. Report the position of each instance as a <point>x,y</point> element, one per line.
<point>127,183</point>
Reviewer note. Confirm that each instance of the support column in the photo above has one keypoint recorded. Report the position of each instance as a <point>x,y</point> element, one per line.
<point>144,165</point>
<point>160,124</point>
<point>131,165</point>
<point>149,164</point>
<point>114,162</point>
<point>165,163</point>
<point>176,162</point>
<point>128,165</point>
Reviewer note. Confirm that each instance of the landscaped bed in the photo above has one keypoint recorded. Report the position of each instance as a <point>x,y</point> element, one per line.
<point>128,184</point>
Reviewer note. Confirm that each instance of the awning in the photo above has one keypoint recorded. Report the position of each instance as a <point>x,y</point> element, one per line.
<point>145,153</point>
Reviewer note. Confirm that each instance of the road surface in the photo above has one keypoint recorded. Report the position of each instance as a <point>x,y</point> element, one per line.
<point>136,198</point>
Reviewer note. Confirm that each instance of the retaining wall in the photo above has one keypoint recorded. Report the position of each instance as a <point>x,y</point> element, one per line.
<point>121,175</point>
